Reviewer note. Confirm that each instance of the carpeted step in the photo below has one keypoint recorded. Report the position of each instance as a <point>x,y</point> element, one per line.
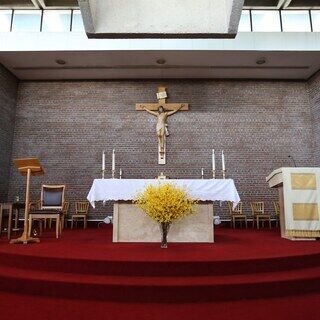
<point>159,268</point>
<point>160,289</point>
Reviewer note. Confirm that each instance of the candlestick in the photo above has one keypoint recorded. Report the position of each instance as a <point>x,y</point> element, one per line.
<point>202,173</point>
<point>213,174</point>
<point>120,173</point>
<point>102,173</point>
<point>223,161</point>
<point>224,173</point>
<point>213,161</point>
<point>113,174</point>
<point>113,160</point>
<point>103,160</point>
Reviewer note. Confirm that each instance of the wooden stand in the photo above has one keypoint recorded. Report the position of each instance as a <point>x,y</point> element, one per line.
<point>27,167</point>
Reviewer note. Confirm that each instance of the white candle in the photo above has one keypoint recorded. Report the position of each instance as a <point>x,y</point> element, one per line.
<point>103,160</point>
<point>113,160</point>
<point>202,172</point>
<point>120,173</point>
<point>223,162</point>
<point>213,161</point>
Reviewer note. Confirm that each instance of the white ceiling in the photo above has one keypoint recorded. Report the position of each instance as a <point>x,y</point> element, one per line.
<point>143,64</point>
<point>60,4</point>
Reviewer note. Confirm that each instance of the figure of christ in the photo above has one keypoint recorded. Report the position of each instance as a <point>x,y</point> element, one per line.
<point>162,127</point>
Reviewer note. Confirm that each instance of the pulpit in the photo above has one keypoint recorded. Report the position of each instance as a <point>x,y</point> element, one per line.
<point>299,198</point>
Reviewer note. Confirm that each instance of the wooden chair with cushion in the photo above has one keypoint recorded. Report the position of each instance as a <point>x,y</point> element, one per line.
<point>82,209</point>
<point>258,214</point>
<point>237,214</point>
<point>52,201</point>
<point>276,206</point>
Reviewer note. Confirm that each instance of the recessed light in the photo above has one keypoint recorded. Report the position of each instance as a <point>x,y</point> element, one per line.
<point>261,61</point>
<point>161,61</point>
<point>60,61</point>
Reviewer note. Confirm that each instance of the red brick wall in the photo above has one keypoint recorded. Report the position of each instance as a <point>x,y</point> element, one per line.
<point>8,92</point>
<point>68,124</point>
<point>314,94</point>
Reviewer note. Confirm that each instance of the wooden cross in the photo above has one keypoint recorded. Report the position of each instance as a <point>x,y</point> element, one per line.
<point>162,102</point>
<point>162,115</point>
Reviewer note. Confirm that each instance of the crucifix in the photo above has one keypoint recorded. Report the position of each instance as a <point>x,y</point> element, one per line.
<point>162,110</point>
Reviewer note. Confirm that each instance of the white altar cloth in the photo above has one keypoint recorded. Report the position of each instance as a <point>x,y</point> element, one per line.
<point>127,189</point>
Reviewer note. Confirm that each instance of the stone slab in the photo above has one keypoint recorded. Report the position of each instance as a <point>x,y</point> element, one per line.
<point>130,224</point>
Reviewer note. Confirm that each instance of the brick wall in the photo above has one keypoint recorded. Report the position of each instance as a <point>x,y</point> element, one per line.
<point>8,92</point>
<point>314,94</point>
<point>68,124</point>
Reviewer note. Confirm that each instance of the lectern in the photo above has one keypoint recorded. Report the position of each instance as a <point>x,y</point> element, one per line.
<point>27,167</point>
<point>299,198</point>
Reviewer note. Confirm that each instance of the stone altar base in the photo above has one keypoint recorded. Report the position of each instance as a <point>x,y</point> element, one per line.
<point>130,224</point>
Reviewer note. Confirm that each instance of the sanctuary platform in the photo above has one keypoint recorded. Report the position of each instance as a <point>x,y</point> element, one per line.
<point>244,264</point>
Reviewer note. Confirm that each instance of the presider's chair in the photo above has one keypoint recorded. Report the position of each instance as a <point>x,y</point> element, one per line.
<point>237,214</point>
<point>51,206</point>
<point>259,215</point>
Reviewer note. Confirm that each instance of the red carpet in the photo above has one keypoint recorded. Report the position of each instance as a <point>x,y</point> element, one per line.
<point>84,273</point>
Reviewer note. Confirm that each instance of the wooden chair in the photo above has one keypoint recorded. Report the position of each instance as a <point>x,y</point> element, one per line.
<point>11,214</point>
<point>82,209</point>
<point>276,206</point>
<point>52,201</point>
<point>258,214</point>
<point>237,214</point>
<point>64,216</point>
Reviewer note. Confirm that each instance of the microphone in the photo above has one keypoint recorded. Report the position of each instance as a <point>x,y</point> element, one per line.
<point>292,159</point>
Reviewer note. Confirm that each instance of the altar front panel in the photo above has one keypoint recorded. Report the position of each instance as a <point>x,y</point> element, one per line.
<point>131,224</point>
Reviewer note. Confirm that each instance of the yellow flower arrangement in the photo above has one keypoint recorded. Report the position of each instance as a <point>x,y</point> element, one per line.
<point>165,203</point>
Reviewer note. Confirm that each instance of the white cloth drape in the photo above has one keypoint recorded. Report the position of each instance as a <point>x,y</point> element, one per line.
<point>127,189</point>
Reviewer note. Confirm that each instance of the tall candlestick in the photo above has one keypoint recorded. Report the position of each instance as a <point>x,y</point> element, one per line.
<point>103,160</point>
<point>202,173</point>
<point>223,162</point>
<point>120,173</point>
<point>213,161</point>
<point>113,160</point>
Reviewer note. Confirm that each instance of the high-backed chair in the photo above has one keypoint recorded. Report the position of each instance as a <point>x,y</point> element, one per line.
<point>258,214</point>
<point>276,206</point>
<point>52,201</point>
<point>237,214</point>
<point>82,209</point>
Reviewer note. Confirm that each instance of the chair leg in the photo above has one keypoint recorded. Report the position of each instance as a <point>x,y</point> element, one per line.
<point>233,223</point>
<point>40,227</point>
<point>258,223</point>
<point>10,223</point>
<point>0,224</point>
<point>30,226</point>
<point>246,222</point>
<point>57,227</point>
<point>84,223</point>
<point>16,219</point>
<point>71,222</point>
<point>253,223</point>
<point>269,222</point>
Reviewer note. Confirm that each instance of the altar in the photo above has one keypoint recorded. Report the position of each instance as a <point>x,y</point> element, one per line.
<point>130,224</point>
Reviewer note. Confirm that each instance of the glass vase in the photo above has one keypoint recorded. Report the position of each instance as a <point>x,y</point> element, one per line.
<point>164,227</point>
